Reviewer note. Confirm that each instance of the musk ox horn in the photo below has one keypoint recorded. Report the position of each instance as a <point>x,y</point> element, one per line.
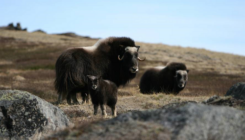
<point>138,47</point>
<point>120,58</point>
<point>140,59</point>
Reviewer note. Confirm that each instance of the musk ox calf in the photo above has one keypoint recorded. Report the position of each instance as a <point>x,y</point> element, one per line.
<point>114,58</point>
<point>169,79</point>
<point>102,92</point>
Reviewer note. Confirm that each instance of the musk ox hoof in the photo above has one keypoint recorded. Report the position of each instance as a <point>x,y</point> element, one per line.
<point>85,102</point>
<point>69,103</point>
<point>56,103</point>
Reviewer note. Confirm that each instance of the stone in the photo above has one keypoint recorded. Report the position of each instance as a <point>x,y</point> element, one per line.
<point>237,91</point>
<point>192,121</point>
<point>26,116</point>
<point>226,101</point>
<point>211,99</point>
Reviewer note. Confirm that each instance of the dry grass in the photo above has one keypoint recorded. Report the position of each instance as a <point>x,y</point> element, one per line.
<point>27,63</point>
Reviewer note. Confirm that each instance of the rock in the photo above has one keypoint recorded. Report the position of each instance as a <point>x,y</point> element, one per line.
<point>188,122</point>
<point>211,99</point>
<point>12,27</point>
<point>176,105</point>
<point>18,26</point>
<point>226,101</point>
<point>237,91</point>
<point>25,116</point>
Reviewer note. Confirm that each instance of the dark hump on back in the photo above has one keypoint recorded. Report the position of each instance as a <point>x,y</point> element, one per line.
<point>125,41</point>
<point>173,66</point>
<point>112,44</point>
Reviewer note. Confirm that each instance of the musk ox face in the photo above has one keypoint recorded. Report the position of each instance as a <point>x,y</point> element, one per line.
<point>130,59</point>
<point>93,82</point>
<point>181,78</point>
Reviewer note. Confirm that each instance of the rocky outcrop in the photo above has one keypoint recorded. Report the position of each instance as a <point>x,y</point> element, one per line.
<point>25,116</point>
<point>12,27</point>
<point>189,122</point>
<point>237,91</point>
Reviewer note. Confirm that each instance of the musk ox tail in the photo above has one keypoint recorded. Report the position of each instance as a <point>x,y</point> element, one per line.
<point>68,75</point>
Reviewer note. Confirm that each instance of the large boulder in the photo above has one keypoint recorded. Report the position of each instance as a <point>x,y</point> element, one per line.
<point>237,91</point>
<point>188,122</point>
<point>25,116</point>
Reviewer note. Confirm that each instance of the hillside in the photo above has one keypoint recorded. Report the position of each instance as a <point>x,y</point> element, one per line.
<point>27,63</point>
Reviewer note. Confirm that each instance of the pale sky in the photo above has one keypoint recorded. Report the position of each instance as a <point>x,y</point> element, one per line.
<point>217,25</point>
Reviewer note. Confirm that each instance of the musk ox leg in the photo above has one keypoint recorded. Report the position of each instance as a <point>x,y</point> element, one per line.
<point>103,110</point>
<point>68,99</point>
<point>59,99</point>
<point>114,111</point>
<point>85,97</point>
<point>96,109</point>
<point>74,98</point>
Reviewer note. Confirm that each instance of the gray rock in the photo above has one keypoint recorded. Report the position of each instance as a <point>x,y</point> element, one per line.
<point>25,116</point>
<point>237,91</point>
<point>211,99</point>
<point>188,122</point>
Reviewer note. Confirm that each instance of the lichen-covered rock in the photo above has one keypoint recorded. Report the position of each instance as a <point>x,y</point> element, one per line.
<point>225,101</point>
<point>237,91</point>
<point>188,122</point>
<point>211,99</point>
<point>25,116</point>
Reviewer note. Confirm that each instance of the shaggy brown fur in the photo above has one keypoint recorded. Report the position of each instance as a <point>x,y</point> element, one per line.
<point>164,79</point>
<point>73,65</point>
<point>102,92</point>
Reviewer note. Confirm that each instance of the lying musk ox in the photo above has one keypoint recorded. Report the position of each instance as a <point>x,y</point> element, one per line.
<point>102,92</point>
<point>114,58</point>
<point>169,79</point>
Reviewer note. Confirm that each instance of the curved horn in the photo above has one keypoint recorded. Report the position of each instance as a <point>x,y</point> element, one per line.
<point>120,58</point>
<point>140,59</point>
<point>138,47</point>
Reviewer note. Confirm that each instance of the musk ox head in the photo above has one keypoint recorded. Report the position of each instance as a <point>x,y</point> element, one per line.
<point>181,78</point>
<point>130,58</point>
<point>93,82</point>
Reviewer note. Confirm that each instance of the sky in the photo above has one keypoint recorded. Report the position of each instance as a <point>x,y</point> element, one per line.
<point>217,25</point>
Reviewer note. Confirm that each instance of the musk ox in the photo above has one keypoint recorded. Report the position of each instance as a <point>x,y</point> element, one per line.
<point>169,79</point>
<point>102,92</point>
<point>114,58</point>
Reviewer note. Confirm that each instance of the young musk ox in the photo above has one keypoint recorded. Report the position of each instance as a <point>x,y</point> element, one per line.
<point>169,79</point>
<point>102,92</point>
<point>114,58</point>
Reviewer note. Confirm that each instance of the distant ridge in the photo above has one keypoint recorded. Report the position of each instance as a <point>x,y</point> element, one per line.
<point>71,34</point>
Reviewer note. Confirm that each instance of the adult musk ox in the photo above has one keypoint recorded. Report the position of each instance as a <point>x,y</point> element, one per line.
<point>114,58</point>
<point>169,79</point>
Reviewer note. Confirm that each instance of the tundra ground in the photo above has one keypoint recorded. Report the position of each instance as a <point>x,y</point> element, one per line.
<point>27,62</point>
